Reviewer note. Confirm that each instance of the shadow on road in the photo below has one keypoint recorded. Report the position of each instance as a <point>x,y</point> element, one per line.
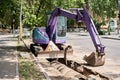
<point>7,69</point>
<point>7,58</point>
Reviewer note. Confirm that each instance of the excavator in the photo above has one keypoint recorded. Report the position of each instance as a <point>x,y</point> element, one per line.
<point>49,42</point>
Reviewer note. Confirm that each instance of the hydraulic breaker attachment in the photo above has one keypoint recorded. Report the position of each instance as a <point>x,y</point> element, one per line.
<point>95,59</point>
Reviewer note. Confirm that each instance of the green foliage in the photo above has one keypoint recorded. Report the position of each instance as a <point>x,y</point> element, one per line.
<point>104,8</point>
<point>118,22</point>
<point>98,26</point>
<point>34,11</point>
<point>9,12</point>
<point>29,71</point>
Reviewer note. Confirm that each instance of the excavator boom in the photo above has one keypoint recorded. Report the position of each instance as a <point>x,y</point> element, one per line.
<point>96,58</point>
<point>80,15</point>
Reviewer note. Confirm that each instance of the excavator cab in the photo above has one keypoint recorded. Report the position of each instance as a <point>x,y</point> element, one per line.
<point>59,37</point>
<point>40,35</point>
<point>61,30</point>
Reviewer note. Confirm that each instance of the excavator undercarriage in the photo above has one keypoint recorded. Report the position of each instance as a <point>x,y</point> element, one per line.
<point>63,52</point>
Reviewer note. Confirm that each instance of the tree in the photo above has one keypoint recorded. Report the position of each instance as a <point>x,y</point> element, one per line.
<point>9,12</point>
<point>104,8</point>
<point>34,11</point>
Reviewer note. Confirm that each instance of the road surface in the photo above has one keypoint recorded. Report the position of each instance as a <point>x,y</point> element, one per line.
<point>82,44</point>
<point>8,62</point>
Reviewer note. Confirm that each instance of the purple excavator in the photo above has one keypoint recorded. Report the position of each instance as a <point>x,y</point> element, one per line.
<point>49,42</point>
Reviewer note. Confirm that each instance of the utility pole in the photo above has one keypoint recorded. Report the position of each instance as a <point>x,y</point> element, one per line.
<point>118,15</point>
<point>20,28</point>
<point>109,28</point>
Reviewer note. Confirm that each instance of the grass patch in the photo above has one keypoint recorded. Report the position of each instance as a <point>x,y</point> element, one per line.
<point>21,48</point>
<point>28,70</point>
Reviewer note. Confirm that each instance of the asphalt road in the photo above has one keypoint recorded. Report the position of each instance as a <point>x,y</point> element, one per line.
<point>81,41</point>
<point>83,45</point>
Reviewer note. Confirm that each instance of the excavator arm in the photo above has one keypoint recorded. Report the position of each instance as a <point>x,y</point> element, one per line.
<point>94,59</point>
<point>80,15</point>
<point>93,32</point>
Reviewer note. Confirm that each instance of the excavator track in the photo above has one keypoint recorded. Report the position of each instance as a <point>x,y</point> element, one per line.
<point>39,52</point>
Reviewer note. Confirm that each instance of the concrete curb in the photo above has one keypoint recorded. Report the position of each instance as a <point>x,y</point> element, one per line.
<point>17,62</point>
<point>111,38</point>
<point>17,67</point>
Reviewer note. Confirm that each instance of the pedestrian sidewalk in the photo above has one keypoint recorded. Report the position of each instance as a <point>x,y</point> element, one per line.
<point>8,58</point>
